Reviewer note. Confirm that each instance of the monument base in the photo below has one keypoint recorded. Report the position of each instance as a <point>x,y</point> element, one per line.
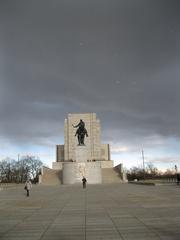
<point>96,172</point>
<point>81,154</point>
<point>91,159</point>
<point>73,172</point>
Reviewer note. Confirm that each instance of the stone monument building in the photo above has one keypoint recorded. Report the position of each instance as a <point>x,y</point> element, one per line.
<point>82,154</point>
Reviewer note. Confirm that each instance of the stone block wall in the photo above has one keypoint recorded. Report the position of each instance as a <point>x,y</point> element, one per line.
<point>105,152</point>
<point>92,142</point>
<point>59,153</point>
<point>73,172</point>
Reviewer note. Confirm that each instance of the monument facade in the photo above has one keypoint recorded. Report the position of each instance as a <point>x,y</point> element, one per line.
<point>83,154</point>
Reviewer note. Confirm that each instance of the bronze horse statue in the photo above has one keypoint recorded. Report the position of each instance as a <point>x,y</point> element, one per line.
<point>81,132</point>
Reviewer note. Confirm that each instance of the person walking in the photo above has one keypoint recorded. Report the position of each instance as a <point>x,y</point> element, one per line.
<point>84,182</point>
<point>28,186</point>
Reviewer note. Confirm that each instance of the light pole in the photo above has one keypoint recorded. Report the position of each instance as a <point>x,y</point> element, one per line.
<point>176,174</point>
<point>143,164</point>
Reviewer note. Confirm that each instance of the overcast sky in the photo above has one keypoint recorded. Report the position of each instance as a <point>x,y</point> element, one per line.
<point>117,58</point>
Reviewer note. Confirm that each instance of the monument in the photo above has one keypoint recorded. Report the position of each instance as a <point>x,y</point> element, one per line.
<point>82,154</point>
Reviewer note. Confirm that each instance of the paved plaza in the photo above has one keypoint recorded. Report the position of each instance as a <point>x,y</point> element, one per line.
<point>106,212</point>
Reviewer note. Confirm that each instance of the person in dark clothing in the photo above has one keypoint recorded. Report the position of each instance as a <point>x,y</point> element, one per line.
<point>178,178</point>
<point>84,182</point>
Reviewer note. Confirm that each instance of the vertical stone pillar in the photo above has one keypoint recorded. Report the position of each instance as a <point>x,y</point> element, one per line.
<point>66,142</point>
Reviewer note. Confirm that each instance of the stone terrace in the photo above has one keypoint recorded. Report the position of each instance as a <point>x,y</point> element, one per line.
<point>106,212</point>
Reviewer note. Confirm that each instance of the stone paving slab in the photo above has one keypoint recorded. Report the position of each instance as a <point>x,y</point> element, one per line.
<point>106,212</point>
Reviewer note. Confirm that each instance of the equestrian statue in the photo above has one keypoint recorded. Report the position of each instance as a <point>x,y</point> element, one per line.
<point>81,132</point>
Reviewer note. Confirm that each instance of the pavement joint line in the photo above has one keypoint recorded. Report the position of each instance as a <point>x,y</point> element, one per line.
<point>150,228</point>
<point>85,212</point>
<point>19,223</point>
<point>59,212</point>
<point>137,213</point>
<point>25,218</point>
<point>113,221</point>
<point>4,234</point>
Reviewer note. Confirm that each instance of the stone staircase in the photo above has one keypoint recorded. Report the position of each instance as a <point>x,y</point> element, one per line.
<point>54,177</point>
<point>110,175</point>
<point>50,176</point>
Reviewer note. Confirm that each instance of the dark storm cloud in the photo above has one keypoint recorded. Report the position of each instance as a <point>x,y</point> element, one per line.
<point>119,59</point>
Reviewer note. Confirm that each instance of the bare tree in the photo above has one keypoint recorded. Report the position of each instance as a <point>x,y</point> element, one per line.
<point>18,171</point>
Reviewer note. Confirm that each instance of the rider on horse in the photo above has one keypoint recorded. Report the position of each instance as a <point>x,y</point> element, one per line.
<point>81,132</point>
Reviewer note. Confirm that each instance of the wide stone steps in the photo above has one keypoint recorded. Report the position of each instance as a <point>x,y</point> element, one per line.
<point>109,175</point>
<point>54,177</point>
<point>51,177</point>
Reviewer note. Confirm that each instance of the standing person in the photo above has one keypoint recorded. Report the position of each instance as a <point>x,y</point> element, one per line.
<point>84,182</point>
<point>28,186</point>
<point>178,178</point>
